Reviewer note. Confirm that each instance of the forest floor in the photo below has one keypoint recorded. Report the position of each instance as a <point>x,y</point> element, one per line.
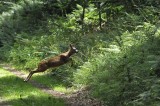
<point>78,98</point>
<point>3,102</point>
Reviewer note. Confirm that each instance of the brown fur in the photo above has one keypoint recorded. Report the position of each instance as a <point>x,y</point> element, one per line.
<point>53,61</point>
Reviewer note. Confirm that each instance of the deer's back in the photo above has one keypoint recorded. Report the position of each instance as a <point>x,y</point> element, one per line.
<point>56,61</point>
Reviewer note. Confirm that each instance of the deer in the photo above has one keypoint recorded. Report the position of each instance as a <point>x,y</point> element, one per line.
<point>54,61</point>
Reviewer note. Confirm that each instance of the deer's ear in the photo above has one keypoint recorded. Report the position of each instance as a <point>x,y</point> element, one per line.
<point>70,45</point>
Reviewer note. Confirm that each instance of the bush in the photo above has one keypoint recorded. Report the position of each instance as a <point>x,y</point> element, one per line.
<point>117,74</point>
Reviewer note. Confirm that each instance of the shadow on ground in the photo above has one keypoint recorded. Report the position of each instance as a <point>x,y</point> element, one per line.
<point>53,80</point>
<point>18,93</point>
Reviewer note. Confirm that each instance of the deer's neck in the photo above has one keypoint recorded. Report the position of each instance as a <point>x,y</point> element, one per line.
<point>68,53</point>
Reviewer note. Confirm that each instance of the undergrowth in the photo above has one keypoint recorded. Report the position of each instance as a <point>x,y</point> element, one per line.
<point>119,62</point>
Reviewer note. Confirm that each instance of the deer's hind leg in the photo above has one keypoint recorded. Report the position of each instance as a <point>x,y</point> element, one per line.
<point>39,69</point>
<point>29,76</point>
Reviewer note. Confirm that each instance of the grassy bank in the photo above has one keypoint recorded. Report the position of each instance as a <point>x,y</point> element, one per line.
<point>18,93</point>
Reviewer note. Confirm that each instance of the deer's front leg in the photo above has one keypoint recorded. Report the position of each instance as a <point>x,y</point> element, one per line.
<point>71,61</point>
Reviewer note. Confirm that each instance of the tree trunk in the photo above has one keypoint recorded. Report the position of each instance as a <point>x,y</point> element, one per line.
<point>100,18</point>
<point>83,15</point>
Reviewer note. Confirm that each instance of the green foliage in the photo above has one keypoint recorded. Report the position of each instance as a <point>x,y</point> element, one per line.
<point>90,20</point>
<point>120,73</point>
<point>120,63</point>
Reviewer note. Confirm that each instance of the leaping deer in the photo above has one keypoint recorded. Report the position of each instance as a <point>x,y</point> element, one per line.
<point>56,61</point>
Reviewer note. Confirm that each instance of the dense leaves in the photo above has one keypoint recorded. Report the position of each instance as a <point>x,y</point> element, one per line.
<point>118,42</point>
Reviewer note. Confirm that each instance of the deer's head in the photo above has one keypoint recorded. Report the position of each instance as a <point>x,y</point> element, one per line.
<point>73,49</point>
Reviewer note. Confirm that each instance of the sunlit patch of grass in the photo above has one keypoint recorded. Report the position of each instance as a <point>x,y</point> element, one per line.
<point>53,82</point>
<point>19,93</point>
<point>60,88</point>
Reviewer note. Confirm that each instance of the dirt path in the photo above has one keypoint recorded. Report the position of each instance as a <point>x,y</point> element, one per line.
<point>3,103</point>
<point>79,98</point>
